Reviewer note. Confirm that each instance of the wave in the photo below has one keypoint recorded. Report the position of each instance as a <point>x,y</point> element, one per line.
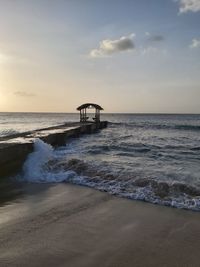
<point>195,148</point>
<point>43,166</point>
<point>8,132</point>
<point>188,127</point>
<point>156,126</point>
<point>132,149</point>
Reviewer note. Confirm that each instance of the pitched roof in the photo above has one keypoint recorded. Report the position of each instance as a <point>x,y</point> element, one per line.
<point>89,105</point>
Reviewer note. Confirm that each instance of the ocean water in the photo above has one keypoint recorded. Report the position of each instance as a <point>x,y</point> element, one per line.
<point>13,123</point>
<point>153,158</point>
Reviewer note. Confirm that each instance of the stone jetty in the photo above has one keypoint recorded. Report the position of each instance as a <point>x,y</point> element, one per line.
<point>14,149</point>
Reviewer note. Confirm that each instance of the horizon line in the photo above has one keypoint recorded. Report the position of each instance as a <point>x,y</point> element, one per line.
<point>126,113</point>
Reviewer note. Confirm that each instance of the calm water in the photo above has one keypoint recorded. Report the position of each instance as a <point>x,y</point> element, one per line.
<point>155,158</point>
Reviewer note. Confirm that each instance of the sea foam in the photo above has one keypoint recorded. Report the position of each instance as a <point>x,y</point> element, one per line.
<point>66,164</point>
<point>35,162</point>
<point>37,167</point>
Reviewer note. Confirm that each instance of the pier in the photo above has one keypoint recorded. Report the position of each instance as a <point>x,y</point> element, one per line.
<point>14,149</point>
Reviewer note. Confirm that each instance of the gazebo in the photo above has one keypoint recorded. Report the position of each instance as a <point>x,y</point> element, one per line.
<point>83,112</point>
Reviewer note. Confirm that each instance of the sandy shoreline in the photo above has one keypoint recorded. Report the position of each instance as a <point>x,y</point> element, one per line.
<point>67,225</point>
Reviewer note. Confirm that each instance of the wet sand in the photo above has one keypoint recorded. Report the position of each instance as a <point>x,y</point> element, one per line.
<point>67,225</point>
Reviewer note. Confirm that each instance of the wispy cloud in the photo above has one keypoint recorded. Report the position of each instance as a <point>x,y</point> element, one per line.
<point>108,47</point>
<point>24,94</point>
<point>195,43</point>
<point>155,38</point>
<point>148,50</point>
<point>152,50</point>
<point>189,6</point>
<point>150,46</point>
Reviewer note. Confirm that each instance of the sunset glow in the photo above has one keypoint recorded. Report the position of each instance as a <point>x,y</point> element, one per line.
<point>129,56</point>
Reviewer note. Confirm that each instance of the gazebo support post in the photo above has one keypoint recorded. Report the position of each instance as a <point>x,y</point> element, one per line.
<point>83,112</point>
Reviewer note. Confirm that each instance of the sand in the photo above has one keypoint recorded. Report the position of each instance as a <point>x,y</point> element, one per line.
<point>69,225</point>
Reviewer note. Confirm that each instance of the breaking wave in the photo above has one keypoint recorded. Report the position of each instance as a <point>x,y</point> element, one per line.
<point>44,165</point>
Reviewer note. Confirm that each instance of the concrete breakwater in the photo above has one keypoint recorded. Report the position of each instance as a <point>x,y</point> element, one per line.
<point>14,149</point>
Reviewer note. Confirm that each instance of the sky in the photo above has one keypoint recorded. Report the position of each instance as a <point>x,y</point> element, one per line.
<point>132,56</point>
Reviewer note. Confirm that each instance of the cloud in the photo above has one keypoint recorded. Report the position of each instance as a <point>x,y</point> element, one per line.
<point>148,50</point>
<point>150,46</point>
<point>156,38</point>
<point>108,47</point>
<point>195,43</point>
<point>189,6</point>
<point>24,94</point>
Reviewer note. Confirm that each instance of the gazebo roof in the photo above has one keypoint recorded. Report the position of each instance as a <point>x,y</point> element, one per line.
<point>90,105</point>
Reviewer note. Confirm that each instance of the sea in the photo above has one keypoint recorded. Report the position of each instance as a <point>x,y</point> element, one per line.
<point>148,157</point>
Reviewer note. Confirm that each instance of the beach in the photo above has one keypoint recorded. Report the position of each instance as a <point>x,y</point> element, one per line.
<point>70,225</point>
<point>128,195</point>
<point>100,133</point>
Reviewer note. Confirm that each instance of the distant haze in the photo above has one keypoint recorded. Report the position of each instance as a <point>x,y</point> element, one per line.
<point>128,56</point>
